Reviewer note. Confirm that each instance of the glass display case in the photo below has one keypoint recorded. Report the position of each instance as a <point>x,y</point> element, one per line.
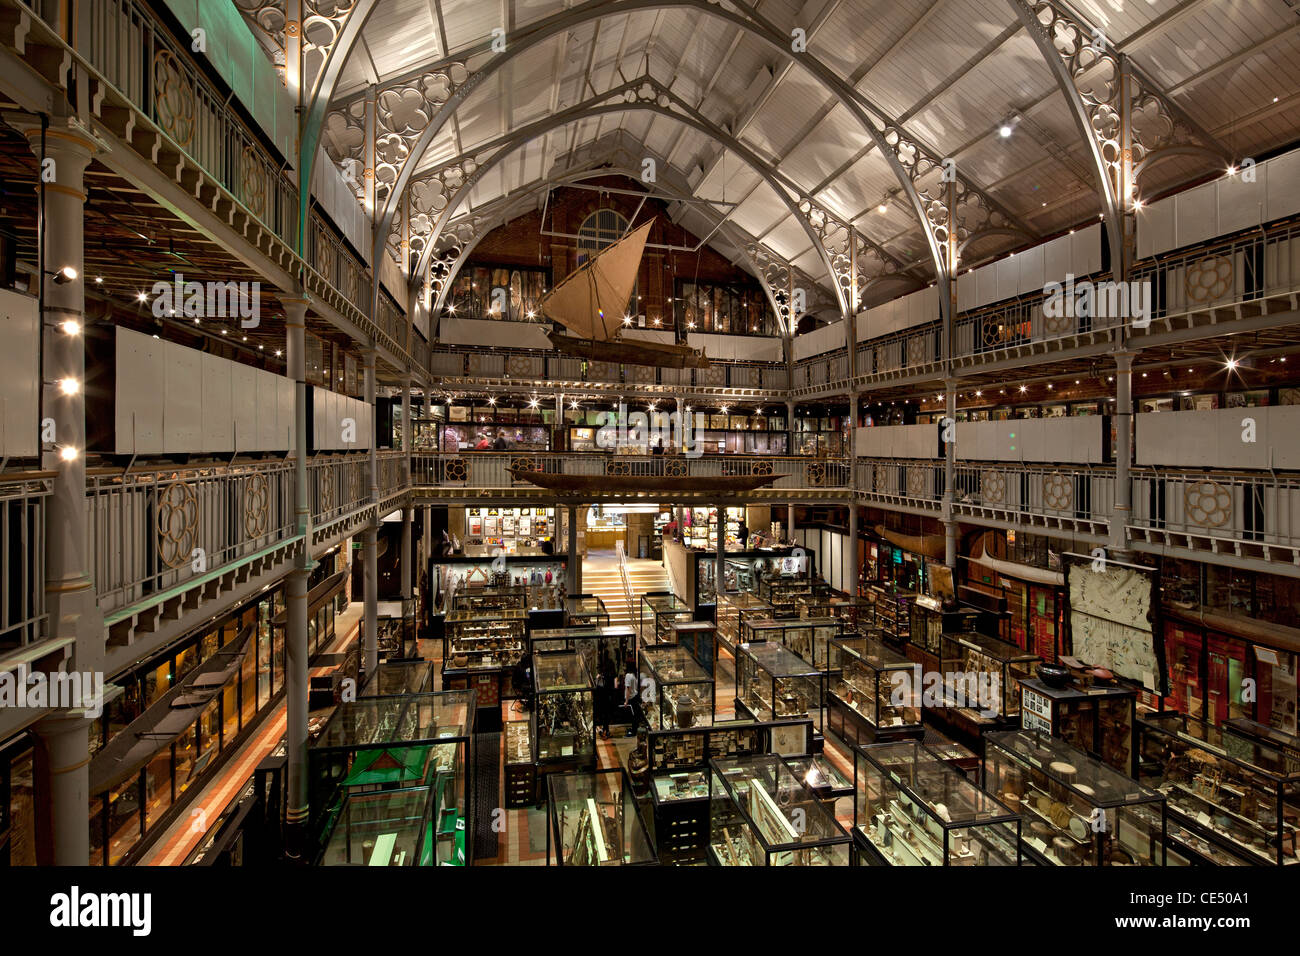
<point>1229,795</point>
<point>1100,720</point>
<point>384,743</point>
<point>585,610</point>
<point>809,637</point>
<point>858,614</point>
<point>735,608</point>
<point>394,678</point>
<point>563,728</point>
<point>982,676</point>
<point>912,809</point>
<point>876,693</point>
<point>761,814</point>
<point>783,592</point>
<point>772,683</point>
<point>477,640</point>
<point>1076,810</point>
<point>680,802</point>
<point>594,821</point>
<point>925,623</point>
<point>390,828</point>
<point>541,576</point>
<point>893,614</point>
<point>659,611</point>
<point>520,772</point>
<point>826,781</point>
<point>604,646</point>
<point>692,748</point>
<point>484,600</point>
<point>700,640</point>
<point>680,692</point>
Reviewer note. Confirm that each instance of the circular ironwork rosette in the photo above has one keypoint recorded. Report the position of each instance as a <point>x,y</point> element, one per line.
<point>1207,503</point>
<point>993,331</point>
<point>523,464</point>
<point>257,506</point>
<point>916,482</point>
<point>713,375</point>
<point>1057,324</point>
<point>615,467</point>
<point>178,523</point>
<point>675,468</point>
<point>457,470</point>
<point>993,487</point>
<point>764,467</point>
<point>1208,279</point>
<point>253,179</point>
<point>1058,491</point>
<point>915,351</point>
<point>354,483</point>
<point>879,480</point>
<point>173,97</point>
<point>327,492</point>
<point>816,473</point>
<point>520,365</point>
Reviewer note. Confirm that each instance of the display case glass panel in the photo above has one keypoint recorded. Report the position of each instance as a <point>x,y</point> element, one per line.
<point>879,684</point>
<point>982,676</point>
<point>912,809</point>
<point>1098,719</point>
<point>563,727</point>
<point>594,821</point>
<point>810,637</point>
<point>658,614</point>
<point>1076,810</point>
<point>1238,794</point>
<point>476,640</point>
<point>680,692</point>
<point>585,610</point>
<point>391,828</point>
<point>761,814</point>
<point>772,683</point>
<point>735,607</point>
<point>925,625</point>
<point>700,640</point>
<point>893,614</point>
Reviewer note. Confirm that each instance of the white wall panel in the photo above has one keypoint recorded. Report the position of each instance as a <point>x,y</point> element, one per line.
<point>1215,438</point>
<point>218,406</point>
<point>1031,268</point>
<point>183,399</point>
<point>243,400</point>
<point>1283,191</point>
<point>267,412</point>
<point>1198,215</point>
<point>141,385</point>
<point>19,386</point>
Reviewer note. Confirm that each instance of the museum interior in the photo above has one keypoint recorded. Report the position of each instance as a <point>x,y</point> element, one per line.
<point>576,433</point>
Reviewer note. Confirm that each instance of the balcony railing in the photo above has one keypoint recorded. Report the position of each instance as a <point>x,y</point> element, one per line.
<point>1222,507</point>
<point>491,470</point>
<point>22,522</point>
<point>1076,497</point>
<point>151,530</point>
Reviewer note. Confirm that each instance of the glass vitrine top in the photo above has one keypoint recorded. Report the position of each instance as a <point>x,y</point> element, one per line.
<point>778,660</point>
<point>560,670</point>
<point>411,718</point>
<point>500,614</point>
<point>782,811</point>
<point>590,604</point>
<point>746,601</point>
<point>1255,754</point>
<point>671,664</point>
<point>931,781</point>
<point>1093,781</point>
<point>871,652</point>
<point>993,647</point>
<point>664,602</point>
<point>381,829</point>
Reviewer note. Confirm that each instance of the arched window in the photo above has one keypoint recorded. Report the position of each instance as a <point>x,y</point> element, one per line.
<point>602,228</point>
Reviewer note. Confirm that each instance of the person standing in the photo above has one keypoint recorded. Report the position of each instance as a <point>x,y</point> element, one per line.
<point>632,698</point>
<point>603,702</point>
<point>742,532</point>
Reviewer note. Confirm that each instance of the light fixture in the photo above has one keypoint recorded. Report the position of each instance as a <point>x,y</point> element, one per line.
<point>70,326</point>
<point>1232,170</point>
<point>225,331</point>
<point>1024,388</point>
<point>69,386</point>
<point>278,353</point>
<point>492,400</point>
<point>1049,386</point>
<point>68,453</point>
<point>882,208</point>
<point>99,280</point>
<point>1230,365</point>
<point>1137,204</point>
<point>1005,130</point>
<point>141,297</point>
<point>978,393</point>
<point>261,347</point>
<point>532,314</point>
<point>573,404</point>
<point>66,274</point>
<point>627,320</point>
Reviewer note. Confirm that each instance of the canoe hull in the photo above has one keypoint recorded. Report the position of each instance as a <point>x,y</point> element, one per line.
<point>629,352</point>
<point>605,484</point>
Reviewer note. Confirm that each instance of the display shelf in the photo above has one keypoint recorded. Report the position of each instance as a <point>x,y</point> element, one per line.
<point>700,640</point>
<point>912,809</point>
<point>514,530</point>
<point>680,692</point>
<point>1230,796</point>
<point>484,646</point>
<point>691,749</point>
<point>761,814</point>
<point>520,771</point>
<point>893,612</point>
<point>681,813</point>
<point>563,727</point>
<point>585,610</point>
<point>982,677</point>
<point>1076,811</point>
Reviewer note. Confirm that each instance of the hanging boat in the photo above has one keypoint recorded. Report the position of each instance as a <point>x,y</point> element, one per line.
<point>590,302</point>
<point>605,485</point>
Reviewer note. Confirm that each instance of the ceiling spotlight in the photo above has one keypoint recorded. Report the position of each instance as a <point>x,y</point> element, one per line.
<point>1137,204</point>
<point>1230,365</point>
<point>66,274</point>
<point>1024,388</point>
<point>278,353</point>
<point>99,280</point>
<point>1005,130</point>
<point>533,403</point>
<point>573,404</point>
<point>532,314</point>
<point>627,320</point>
<point>882,208</point>
<point>140,296</point>
<point>492,400</point>
<point>1232,170</point>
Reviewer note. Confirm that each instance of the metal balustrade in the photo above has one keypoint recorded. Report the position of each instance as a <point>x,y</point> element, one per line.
<point>1069,497</point>
<point>1209,507</point>
<point>332,260</point>
<point>122,41</point>
<point>22,523</point>
<point>153,529</point>
<point>491,470</point>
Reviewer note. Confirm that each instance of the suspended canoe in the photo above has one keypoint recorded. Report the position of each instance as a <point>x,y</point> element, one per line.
<point>604,485</point>
<point>591,302</point>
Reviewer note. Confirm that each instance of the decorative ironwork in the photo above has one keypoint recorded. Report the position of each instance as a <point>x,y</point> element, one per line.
<point>675,468</point>
<point>257,505</point>
<point>916,482</point>
<point>763,466</point>
<point>457,470</point>
<point>1209,279</point>
<point>816,471</point>
<point>1058,491</point>
<point>1207,503</point>
<point>178,523</point>
<point>173,97</point>
<point>523,464</point>
<point>253,182</point>
<point>993,487</point>
<point>327,491</point>
<point>617,467</point>
<point>355,483</point>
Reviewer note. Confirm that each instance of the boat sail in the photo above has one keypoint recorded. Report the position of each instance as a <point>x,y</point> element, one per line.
<point>591,302</point>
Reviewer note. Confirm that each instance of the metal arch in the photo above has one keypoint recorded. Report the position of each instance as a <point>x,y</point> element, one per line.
<point>313,117</point>
<point>1001,233</point>
<point>1057,63</point>
<point>1154,159</point>
<point>533,130</point>
<point>755,26</point>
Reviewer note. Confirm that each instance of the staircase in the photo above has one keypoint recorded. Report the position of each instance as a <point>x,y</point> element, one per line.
<point>601,578</point>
